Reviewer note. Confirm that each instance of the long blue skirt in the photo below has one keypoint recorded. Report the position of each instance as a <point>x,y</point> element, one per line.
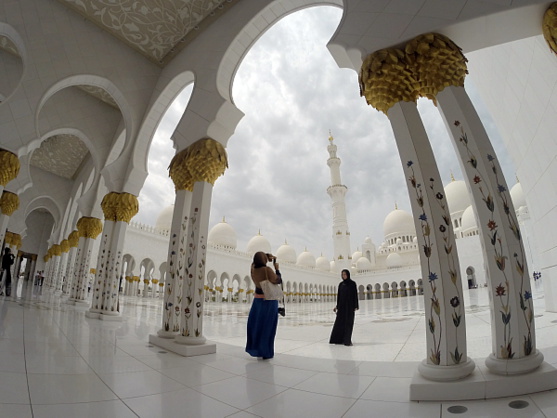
<point>262,328</point>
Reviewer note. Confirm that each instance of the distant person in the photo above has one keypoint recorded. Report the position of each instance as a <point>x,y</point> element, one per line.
<point>347,305</point>
<point>7,261</point>
<point>41,276</point>
<point>263,315</point>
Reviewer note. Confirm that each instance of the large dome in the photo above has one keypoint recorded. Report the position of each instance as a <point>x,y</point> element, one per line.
<point>322,263</point>
<point>363,264</point>
<point>222,234</point>
<point>164,220</point>
<point>398,223</point>
<point>468,221</point>
<point>394,260</point>
<point>517,196</point>
<point>258,243</point>
<point>286,253</point>
<point>457,196</point>
<point>306,259</point>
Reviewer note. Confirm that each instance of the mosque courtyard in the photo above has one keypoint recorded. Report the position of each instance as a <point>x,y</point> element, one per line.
<point>56,362</point>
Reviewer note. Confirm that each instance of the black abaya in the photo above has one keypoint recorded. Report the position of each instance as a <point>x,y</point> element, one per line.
<point>347,303</point>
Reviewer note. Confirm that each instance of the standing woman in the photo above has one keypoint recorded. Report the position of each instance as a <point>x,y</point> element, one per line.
<point>7,261</point>
<point>347,305</point>
<point>263,315</point>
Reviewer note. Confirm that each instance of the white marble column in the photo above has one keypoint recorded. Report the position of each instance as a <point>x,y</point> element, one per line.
<point>176,260</point>
<point>89,228</point>
<point>195,168</point>
<point>512,314</point>
<point>443,297</point>
<point>73,240</point>
<point>118,209</point>
<point>191,321</point>
<point>9,203</point>
<point>56,276</point>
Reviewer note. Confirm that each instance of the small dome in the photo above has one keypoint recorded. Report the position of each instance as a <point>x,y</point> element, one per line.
<point>222,234</point>
<point>164,220</point>
<point>468,221</point>
<point>368,241</point>
<point>286,253</point>
<point>356,256</point>
<point>363,264</point>
<point>393,260</point>
<point>322,263</point>
<point>306,259</point>
<point>258,243</point>
<point>457,196</point>
<point>398,223</point>
<point>517,196</point>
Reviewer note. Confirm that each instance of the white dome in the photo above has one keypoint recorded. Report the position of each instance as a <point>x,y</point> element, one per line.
<point>258,243</point>
<point>306,259</point>
<point>356,256</point>
<point>457,196</point>
<point>517,196</point>
<point>222,234</point>
<point>394,260</point>
<point>333,267</point>
<point>398,223</point>
<point>469,220</point>
<point>322,263</point>
<point>363,264</point>
<point>164,220</point>
<point>286,253</point>
<point>368,241</point>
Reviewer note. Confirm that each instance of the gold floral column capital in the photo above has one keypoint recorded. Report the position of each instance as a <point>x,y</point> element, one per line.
<point>179,173</point>
<point>385,79</point>
<point>16,240</point>
<point>119,206</point>
<point>549,27</point>
<point>73,239</point>
<point>8,238</point>
<point>56,250</point>
<point>204,160</point>
<point>9,202</point>
<point>89,227</point>
<point>436,62</point>
<point>65,245</point>
<point>9,166</point>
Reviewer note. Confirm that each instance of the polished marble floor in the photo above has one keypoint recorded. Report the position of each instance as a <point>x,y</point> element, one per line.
<point>55,362</point>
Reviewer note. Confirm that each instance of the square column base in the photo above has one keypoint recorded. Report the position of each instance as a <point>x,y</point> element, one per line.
<point>482,384</point>
<point>183,349</point>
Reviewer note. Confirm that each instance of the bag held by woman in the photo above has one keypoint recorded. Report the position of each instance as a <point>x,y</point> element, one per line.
<point>271,291</point>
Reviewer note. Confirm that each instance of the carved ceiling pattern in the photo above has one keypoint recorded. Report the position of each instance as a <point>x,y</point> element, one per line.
<point>100,94</point>
<point>61,155</point>
<point>7,45</point>
<point>154,28</point>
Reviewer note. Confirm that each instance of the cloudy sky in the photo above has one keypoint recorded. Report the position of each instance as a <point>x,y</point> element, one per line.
<point>292,93</point>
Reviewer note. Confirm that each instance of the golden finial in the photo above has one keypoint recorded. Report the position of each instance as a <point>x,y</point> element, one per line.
<point>396,206</point>
<point>452,176</point>
<point>259,231</point>
<point>517,180</point>
<point>330,136</point>
<point>223,220</point>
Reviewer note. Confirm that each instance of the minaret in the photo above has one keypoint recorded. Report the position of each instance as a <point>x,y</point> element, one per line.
<point>337,191</point>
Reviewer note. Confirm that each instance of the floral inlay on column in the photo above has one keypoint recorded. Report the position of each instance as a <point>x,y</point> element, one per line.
<point>502,287</point>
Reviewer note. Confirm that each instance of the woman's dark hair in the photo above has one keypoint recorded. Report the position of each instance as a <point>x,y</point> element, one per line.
<point>347,273</point>
<point>260,259</point>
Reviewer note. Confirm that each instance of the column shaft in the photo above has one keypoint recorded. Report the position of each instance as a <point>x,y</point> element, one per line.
<point>176,262</point>
<point>191,324</point>
<point>443,297</point>
<point>512,316</point>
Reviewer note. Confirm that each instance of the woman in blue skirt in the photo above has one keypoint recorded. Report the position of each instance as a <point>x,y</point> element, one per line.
<point>263,315</point>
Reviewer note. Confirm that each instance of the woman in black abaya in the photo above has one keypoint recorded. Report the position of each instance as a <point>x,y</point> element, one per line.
<point>347,305</point>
